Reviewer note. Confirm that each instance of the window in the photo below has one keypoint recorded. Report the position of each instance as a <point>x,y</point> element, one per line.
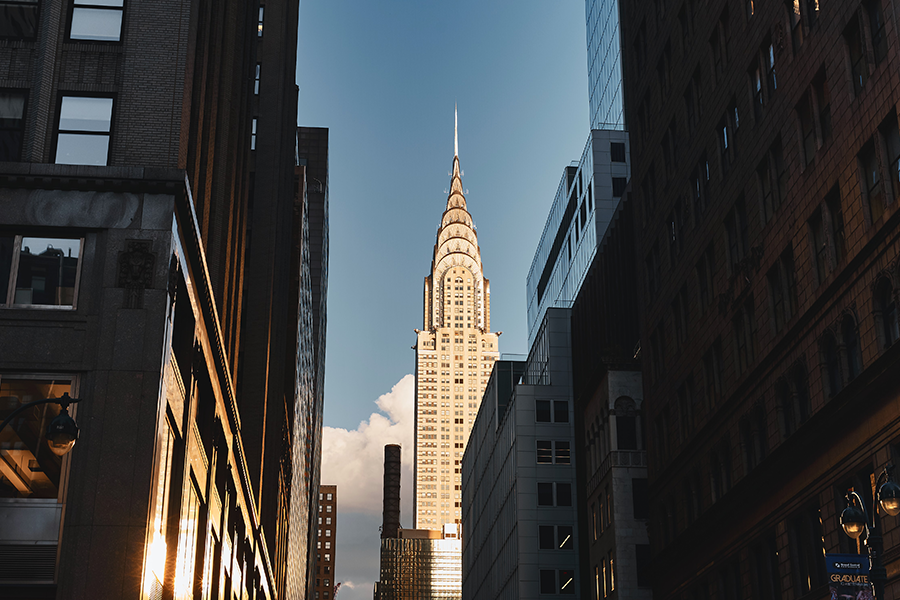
<point>719,44</point>
<point>705,271</point>
<point>256,80</point>
<point>836,220</point>
<point>871,180</point>
<point>259,26</point>
<point>560,411</point>
<point>771,175</point>
<point>796,24</point>
<point>753,433</point>
<point>859,69</point>
<point>850,337</point>
<point>676,230</point>
<point>876,30</point>
<point>765,577</point>
<point>712,371</point>
<point>563,453</point>
<point>819,246</point>
<point>557,537</point>
<point>618,186</point>
<point>720,471</point>
<point>771,79</point>
<point>39,271</point>
<point>822,94</point>
<point>891,137</point>
<point>35,470</point>
<point>831,364</point>
<point>12,124</point>
<point>783,289</point>
<point>736,234</point>
<point>745,335</point>
<point>99,20</point>
<point>807,549</point>
<point>617,152</point>
<point>792,395</point>
<point>84,130</point>
<point>807,128</point>
<point>565,579</point>
<point>725,147</point>
<point>542,411</point>
<point>544,452</point>
<point>253,134</point>
<point>18,19</point>
<point>563,494</point>
<point>886,312</point>
<point>699,187</point>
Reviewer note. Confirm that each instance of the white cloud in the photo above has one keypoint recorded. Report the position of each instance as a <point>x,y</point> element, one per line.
<point>354,459</point>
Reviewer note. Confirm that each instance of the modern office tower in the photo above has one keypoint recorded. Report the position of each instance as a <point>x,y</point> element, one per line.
<point>325,547</point>
<point>765,158</point>
<point>585,202</point>
<point>611,458</point>
<point>604,55</point>
<point>415,563</point>
<point>519,509</point>
<point>454,353</point>
<point>162,259</point>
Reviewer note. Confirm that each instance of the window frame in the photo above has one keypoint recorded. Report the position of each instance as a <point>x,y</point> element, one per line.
<point>7,297</point>
<point>26,94</point>
<point>109,134</point>
<point>86,4</point>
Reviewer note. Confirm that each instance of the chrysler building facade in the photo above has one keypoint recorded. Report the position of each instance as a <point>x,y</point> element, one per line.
<point>455,351</point>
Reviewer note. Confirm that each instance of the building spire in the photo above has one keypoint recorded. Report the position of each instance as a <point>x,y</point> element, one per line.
<point>455,132</point>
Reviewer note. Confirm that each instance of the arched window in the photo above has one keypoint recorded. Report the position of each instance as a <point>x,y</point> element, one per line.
<point>851,347</point>
<point>886,312</point>
<point>831,363</point>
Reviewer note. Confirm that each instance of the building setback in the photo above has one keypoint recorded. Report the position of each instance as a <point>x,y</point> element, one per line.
<point>163,257</point>
<point>764,157</point>
<point>454,353</point>
<point>519,511</point>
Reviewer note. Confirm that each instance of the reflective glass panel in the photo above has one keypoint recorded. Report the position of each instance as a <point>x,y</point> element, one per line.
<point>78,113</point>
<point>6,255</point>
<point>18,19</point>
<point>47,271</point>
<point>96,24</point>
<point>28,469</point>
<point>81,149</point>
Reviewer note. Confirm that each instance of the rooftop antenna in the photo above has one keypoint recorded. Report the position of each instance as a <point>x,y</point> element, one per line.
<point>455,131</point>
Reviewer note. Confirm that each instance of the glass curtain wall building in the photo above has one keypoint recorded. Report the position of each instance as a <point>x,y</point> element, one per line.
<point>586,200</point>
<point>604,64</point>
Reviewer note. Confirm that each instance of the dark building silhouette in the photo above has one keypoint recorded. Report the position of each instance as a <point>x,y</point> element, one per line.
<point>765,145</point>
<point>163,257</point>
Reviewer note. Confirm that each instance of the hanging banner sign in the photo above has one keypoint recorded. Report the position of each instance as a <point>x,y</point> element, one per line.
<point>848,576</point>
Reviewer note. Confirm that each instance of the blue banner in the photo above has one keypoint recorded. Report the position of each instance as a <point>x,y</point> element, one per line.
<point>848,576</point>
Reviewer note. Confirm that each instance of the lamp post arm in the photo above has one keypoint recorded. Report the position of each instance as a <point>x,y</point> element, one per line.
<point>64,402</point>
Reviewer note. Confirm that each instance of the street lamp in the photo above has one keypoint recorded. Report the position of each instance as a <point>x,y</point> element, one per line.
<point>855,520</point>
<point>62,431</point>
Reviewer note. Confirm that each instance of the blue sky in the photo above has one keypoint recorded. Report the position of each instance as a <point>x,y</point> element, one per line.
<point>383,76</point>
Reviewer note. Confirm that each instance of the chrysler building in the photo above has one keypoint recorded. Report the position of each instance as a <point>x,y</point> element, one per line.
<point>455,352</point>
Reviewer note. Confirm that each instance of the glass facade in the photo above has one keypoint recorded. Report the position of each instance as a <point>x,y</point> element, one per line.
<point>421,569</point>
<point>585,203</point>
<point>604,64</point>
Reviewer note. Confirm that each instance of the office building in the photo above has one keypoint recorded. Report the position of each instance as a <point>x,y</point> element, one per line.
<point>604,55</point>
<point>455,350</point>
<point>586,199</point>
<point>162,259</point>
<point>414,563</point>
<point>520,538</point>
<point>764,154</point>
<point>326,584</point>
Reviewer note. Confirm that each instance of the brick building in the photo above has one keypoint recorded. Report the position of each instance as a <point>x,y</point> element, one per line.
<point>765,149</point>
<point>163,254</point>
<point>326,585</point>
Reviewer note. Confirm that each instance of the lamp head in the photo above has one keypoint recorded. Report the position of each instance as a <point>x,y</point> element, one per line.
<point>62,433</point>
<point>889,497</point>
<point>853,521</point>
